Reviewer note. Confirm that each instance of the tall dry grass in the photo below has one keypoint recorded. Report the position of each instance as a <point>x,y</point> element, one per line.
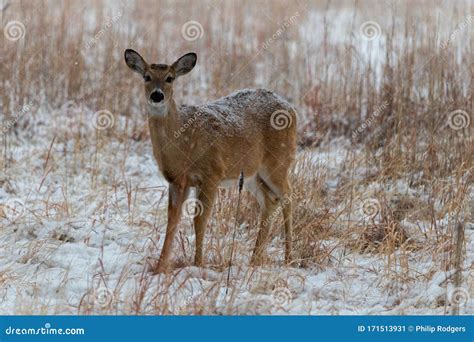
<point>414,74</point>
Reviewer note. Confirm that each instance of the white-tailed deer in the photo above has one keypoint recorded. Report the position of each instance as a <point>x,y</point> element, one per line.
<point>208,146</point>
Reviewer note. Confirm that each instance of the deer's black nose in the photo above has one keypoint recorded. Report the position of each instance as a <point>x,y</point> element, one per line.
<point>157,96</point>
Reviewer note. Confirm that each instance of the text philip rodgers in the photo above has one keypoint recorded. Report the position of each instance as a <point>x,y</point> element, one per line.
<point>439,328</point>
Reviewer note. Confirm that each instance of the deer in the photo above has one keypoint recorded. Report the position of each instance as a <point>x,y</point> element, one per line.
<point>207,147</point>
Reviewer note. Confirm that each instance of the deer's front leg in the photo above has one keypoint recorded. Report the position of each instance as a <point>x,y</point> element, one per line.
<point>205,194</point>
<point>176,197</point>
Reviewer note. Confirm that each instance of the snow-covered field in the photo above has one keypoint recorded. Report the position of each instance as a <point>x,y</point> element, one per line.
<point>82,221</point>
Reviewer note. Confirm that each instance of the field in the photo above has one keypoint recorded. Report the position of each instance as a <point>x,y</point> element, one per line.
<point>382,186</point>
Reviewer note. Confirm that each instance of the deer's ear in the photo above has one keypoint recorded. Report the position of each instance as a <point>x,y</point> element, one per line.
<point>135,61</point>
<point>185,64</point>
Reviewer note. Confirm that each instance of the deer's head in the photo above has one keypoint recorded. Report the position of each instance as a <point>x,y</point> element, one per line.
<point>159,78</point>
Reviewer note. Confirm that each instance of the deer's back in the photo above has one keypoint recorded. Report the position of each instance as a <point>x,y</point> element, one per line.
<point>240,114</point>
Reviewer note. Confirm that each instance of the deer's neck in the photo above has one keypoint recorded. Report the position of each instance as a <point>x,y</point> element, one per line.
<point>163,138</point>
<point>163,127</point>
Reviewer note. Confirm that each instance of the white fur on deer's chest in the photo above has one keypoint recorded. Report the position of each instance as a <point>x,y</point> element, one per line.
<point>157,110</point>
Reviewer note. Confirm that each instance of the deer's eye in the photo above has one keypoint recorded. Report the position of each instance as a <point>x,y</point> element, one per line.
<point>169,79</point>
<point>147,78</point>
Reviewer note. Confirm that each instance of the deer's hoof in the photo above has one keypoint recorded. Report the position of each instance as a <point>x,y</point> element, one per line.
<point>159,267</point>
<point>162,269</point>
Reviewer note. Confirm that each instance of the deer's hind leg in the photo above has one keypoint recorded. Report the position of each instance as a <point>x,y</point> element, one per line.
<point>268,202</point>
<point>278,198</point>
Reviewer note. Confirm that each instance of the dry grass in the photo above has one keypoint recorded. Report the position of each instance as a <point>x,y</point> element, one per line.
<point>385,103</point>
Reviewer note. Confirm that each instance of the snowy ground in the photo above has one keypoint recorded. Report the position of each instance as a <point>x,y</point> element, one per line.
<point>90,211</point>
